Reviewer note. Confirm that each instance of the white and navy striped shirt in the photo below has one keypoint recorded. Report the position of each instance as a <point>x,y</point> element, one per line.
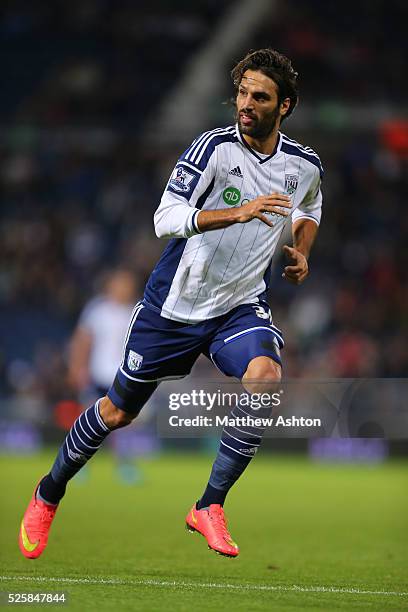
<point>204,275</point>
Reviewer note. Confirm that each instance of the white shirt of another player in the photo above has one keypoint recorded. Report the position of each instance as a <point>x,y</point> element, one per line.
<point>107,322</point>
<point>201,276</point>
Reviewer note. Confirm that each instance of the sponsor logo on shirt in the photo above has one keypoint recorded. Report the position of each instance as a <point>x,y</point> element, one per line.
<point>181,180</point>
<point>248,197</point>
<point>231,196</point>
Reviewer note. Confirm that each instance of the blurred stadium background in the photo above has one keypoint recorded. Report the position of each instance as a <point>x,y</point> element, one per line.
<point>98,100</point>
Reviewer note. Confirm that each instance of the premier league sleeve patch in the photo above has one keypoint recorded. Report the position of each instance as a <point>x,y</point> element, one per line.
<point>183,181</point>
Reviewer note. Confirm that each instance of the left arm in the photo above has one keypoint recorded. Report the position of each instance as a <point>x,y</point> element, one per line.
<point>304,232</point>
<point>305,225</point>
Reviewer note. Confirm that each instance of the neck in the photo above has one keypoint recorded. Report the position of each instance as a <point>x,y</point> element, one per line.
<point>263,145</point>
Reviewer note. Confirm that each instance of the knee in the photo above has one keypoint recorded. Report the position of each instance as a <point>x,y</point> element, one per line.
<point>112,416</point>
<point>262,375</point>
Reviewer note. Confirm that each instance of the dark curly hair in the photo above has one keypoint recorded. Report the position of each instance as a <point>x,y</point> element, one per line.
<point>275,66</point>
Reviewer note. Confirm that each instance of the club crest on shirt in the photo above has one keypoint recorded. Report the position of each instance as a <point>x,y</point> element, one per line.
<point>291,183</point>
<point>134,361</point>
<point>181,180</point>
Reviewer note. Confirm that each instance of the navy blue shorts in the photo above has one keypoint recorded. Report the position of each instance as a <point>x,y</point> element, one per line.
<point>158,349</point>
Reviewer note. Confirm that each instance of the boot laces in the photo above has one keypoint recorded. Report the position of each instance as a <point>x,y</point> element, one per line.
<point>47,514</point>
<point>219,523</point>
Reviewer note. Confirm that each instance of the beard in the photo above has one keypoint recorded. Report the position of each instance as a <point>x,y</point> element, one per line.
<point>260,128</point>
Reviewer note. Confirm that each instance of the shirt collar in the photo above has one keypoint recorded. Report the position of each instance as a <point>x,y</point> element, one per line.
<point>260,157</point>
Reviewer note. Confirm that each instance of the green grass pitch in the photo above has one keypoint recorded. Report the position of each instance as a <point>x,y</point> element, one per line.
<point>312,536</point>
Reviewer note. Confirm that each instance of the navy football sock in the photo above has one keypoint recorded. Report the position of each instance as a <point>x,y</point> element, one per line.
<point>83,440</point>
<point>211,496</point>
<point>238,446</point>
<point>51,492</point>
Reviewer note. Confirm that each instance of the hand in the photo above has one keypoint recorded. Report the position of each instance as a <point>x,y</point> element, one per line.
<point>298,271</point>
<point>274,203</point>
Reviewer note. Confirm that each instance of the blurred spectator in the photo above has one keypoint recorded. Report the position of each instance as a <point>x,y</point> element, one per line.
<point>97,343</point>
<point>96,351</point>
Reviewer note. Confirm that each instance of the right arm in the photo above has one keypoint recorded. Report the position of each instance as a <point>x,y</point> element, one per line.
<point>208,220</point>
<point>177,217</point>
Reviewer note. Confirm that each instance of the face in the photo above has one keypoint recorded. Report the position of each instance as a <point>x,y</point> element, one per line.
<point>258,110</point>
<point>121,287</point>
